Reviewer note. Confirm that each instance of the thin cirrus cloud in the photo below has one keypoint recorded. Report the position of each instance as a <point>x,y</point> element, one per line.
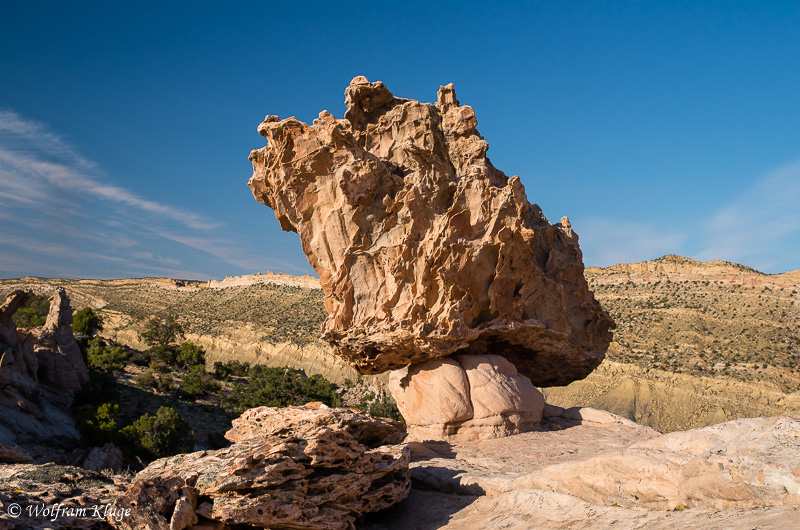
<point>607,242</point>
<point>62,218</point>
<point>760,228</point>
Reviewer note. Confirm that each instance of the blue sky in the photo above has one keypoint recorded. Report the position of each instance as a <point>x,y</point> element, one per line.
<point>657,127</point>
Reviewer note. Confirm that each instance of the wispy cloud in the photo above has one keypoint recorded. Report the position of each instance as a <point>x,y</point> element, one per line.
<point>606,242</point>
<point>25,134</point>
<point>60,210</point>
<point>24,177</point>
<point>761,225</point>
<point>222,249</point>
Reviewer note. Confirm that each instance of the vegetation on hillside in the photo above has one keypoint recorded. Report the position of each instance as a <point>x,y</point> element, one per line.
<point>706,328</point>
<point>87,322</point>
<point>162,401</point>
<point>33,312</point>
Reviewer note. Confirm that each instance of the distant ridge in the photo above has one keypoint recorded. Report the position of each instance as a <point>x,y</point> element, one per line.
<point>679,268</point>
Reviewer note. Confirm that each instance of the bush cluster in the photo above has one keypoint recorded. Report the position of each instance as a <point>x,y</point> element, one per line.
<point>33,312</point>
<point>104,357</point>
<point>87,322</point>
<point>278,387</point>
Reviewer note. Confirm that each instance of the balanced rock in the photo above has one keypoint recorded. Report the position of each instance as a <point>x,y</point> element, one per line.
<point>424,249</point>
<point>296,467</point>
<point>465,397</point>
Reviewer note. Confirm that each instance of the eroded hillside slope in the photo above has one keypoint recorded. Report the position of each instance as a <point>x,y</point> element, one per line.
<point>270,319</point>
<point>696,343</point>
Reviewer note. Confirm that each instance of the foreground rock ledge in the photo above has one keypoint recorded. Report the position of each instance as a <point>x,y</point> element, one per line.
<point>591,469</point>
<point>308,467</point>
<point>423,248</point>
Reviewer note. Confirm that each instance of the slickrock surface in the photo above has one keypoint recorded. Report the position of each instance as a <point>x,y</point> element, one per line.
<point>296,467</point>
<point>592,469</point>
<point>465,397</point>
<point>40,370</point>
<point>423,248</point>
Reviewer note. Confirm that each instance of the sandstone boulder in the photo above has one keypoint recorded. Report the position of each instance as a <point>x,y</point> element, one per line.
<point>40,371</point>
<point>108,457</point>
<point>423,248</point>
<point>14,455</point>
<point>465,397</point>
<point>295,467</point>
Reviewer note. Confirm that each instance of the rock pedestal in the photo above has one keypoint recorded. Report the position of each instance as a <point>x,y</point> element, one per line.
<point>465,397</point>
<point>433,262</point>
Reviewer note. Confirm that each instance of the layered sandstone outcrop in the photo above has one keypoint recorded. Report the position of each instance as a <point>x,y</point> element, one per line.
<point>40,371</point>
<point>466,397</point>
<point>424,249</point>
<point>296,467</point>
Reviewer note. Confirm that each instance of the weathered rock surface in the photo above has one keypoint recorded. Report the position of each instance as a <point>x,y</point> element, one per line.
<point>295,467</point>
<point>40,370</point>
<point>465,397</point>
<point>424,249</point>
<point>70,488</point>
<point>14,455</point>
<point>106,458</point>
<point>591,469</point>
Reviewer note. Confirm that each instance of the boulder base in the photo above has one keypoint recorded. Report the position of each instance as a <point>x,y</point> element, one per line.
<point>466,397</point>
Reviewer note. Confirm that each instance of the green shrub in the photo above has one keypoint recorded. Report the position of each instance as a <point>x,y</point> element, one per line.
<point>106,358</point>
<point>164,434</point>
<point>146,379</point>
<point>165,384</point>
<point>162,336</point>
<point>190,355</point>
<point>98,425</point>
<point>197,382</point>
<point>223,371</point>
<point>279,387</point>
<point>379,408</point>
<point>87,322</point>
<point>385,409</point>
<point>33,312</point>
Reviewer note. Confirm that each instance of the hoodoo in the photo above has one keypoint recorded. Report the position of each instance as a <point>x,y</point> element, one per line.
<point>426,251</point>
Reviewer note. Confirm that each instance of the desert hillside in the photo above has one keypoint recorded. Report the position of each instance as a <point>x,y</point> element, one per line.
<point>696,343</point>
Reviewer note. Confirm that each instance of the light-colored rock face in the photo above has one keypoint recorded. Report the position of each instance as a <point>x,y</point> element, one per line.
<point>465,397</point>
<point>423,248</point>
<point>59,357</point>
<point>591,469</point>
<point>297,467</point>
<point>40,371</point>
